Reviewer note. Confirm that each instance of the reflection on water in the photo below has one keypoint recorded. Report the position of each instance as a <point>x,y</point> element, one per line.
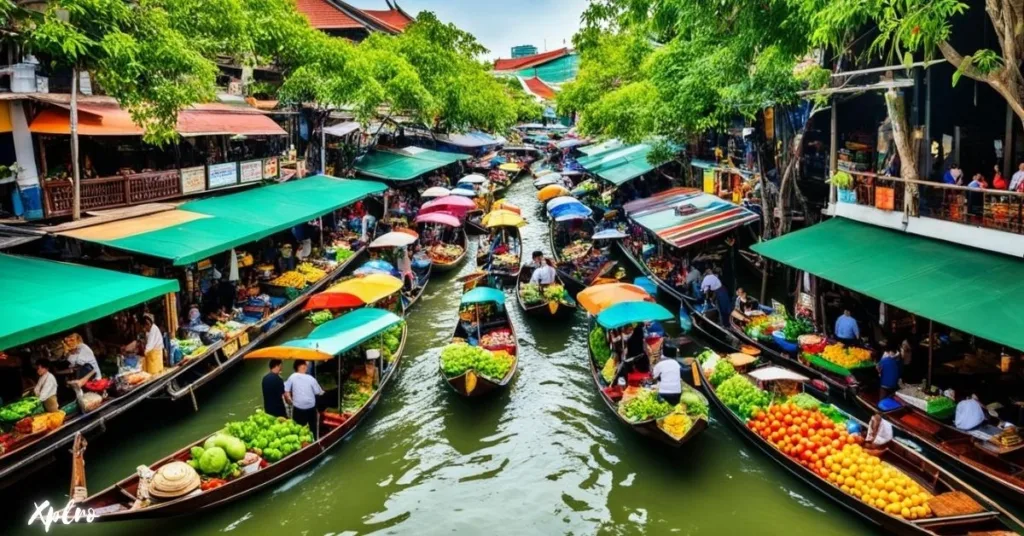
<point>541,457</point>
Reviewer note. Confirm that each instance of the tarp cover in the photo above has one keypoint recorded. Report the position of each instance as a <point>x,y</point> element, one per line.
<point>703,216</point>
<point>958,286</point>
<point>230,220</point>
<point>406,164</point>
<point>39,298</point>
<point>337,336</point>
<point>619,166</point>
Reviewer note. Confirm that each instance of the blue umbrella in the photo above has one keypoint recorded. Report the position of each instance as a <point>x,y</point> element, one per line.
<point>377,266</point>
<point>483,295</point>
<point>576,210</point>
<point>625,313</point>
<point>463,192</point>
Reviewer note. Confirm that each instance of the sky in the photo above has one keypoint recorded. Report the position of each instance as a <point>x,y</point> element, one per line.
<point>501,24</point>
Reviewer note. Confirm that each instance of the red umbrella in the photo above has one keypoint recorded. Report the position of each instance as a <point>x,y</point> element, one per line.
<point>332,300</point>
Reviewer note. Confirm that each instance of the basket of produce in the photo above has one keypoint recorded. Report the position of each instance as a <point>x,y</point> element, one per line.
<point>459,358</point>
<point>16,411</point>
<point>575,250</point>
<point>280,285</point>
<point>954,503</point>
<point>445,253</point>
<point>173,480</point>
<point>941,407</point>
<point>530,292</point>
<point>311,273</point>
<point>499,339</point>
<point>644,406</point>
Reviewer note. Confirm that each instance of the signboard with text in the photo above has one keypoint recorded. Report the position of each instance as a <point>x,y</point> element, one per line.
<point>193,180</point>
<point>270,168</point>
<point>250,171</point>
<point>221,175</point>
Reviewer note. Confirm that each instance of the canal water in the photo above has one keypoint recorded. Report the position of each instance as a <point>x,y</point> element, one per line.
<point>543,457</point>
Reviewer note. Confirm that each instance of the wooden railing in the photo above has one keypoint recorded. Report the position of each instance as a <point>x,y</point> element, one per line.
<point>1000,210</point>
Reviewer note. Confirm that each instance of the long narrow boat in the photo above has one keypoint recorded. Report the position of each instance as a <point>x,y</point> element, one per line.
<point>116,503</point>
<point>473,224</point>
<point>445,263</point>
<point>837,383</point>
<point>513,239</point>
<point>471,383</point>
<point>566,269</point>
<point>925,474</point>
<point>553,309</point>
<point>999,469</point>
<point>232,352</point>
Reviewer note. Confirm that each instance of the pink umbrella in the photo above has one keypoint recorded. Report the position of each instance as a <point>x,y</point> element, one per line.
<point>439,217</point>
<point>451,201</point>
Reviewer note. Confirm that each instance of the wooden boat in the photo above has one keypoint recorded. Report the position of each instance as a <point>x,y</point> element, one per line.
<point>926,474</point>
<point>646,428</point>
<point>115,503</point>
<point>410,298</point>
<point>442,266</point>
<point>514,237</point>
<point>566,269</point>
<point>545,309</point>
<point>1002,470</point>
<point>200,371</point>
<point>473,225</point>
<point>471,384</point>
<point>838,384</point>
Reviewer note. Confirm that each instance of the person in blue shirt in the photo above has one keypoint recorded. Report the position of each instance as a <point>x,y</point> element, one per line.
<point>890,367</point>
<point>953,175</point>
<point>847,330</point>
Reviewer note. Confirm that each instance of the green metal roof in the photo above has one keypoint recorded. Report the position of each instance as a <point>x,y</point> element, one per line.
<point>39,298</point>
<point>556,71</point>
<point>608,145</point>
<point>621,165</point>
<point>968,289</point>
<point>405,164</point>
<point>237,219</point>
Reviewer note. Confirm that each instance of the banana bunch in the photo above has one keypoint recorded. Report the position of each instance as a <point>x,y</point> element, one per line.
<point>290,279</point>
<point>311,273</point>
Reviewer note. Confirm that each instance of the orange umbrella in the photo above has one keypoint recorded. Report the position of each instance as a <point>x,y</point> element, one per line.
<point>503,204</point>
<point>551,191</point>
<point>598,298</point>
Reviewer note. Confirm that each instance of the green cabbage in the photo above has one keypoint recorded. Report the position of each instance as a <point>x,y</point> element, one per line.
<point>234,448</point>
<point>214,461</point>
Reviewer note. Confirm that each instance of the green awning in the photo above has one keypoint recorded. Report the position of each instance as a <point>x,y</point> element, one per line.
<point>39,298</point>
<point>405,164</point>
<point>619,166</point>
<point>199,229</point>
<point>334,337</point>
<point>968,289</point>
<point>609,145</point>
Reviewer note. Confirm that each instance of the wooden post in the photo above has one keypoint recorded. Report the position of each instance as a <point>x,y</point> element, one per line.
<point>833,156</point>
<point>931,351</point>
<point>76,175</point>
<point>171,310</point>
<point>1008,143</point>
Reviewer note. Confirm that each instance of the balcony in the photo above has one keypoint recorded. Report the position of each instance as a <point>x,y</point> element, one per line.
<point>986,219</point>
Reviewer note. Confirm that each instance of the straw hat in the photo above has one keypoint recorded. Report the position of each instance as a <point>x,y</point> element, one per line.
<point>174,480</point>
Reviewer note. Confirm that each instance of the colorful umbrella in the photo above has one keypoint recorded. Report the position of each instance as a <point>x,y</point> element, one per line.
<point>550,192</point>
<point>473,179</point>
<point>510,167</point>
<point>608,234</point>
<point>559,201</point>
<point>333,338</point>
<point>370,288</point>
<point>436,191</point>
<point>547,180</point>
<point>502,218</point>
<point>376,266</point>
<point>600,297</point>
<point>463,192</point>
<point>395,240</point>
<point>503,204</point>
<point>483,295</point>
<point>632,312</point>
<point>439,217</point>
<point>448,203</point>
<point>570,211</point>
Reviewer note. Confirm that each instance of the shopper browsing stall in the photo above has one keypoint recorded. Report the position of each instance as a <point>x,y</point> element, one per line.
<point>273,390</point>
<point>301,391</point>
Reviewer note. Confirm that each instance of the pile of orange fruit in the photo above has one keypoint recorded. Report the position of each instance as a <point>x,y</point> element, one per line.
<point>806,435</point>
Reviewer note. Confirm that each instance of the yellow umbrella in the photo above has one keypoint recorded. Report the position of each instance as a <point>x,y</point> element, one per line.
<point>503,204</point>
<point>510,167</point>
<point>550,192</point>
<point>502,218</point>
<point>369,288</point>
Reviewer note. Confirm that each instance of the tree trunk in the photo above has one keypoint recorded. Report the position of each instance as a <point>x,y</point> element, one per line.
<point>903,140</point>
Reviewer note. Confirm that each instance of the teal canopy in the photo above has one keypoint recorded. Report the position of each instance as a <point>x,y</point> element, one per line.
<point>405,164</point>
<point>621,165</point>
<point>625,313</point>
<point>483,295</point>
<point>39,298</point>
<point>347,332</point>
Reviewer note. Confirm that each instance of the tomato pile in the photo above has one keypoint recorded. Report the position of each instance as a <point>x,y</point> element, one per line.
<point>806,435</point>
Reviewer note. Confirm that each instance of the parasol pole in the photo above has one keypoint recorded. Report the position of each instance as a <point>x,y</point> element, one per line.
<point>931,351</point>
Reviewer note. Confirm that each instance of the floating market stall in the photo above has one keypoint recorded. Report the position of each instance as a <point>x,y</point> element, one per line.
<point>548,301</point>
<point>896,488</point>
<point>619,165</point>
<point>42,301</point>
<point>381,291</point>
<point>501,251</point>
<point>202,241</point>
<point>444,238</point>
<point>356,356</point>
<point>569,231</point>
<point>483,354</point>
<point>911,273</point>
<point>693,226</point>
<point>396,244</point>
<point>612,307</point>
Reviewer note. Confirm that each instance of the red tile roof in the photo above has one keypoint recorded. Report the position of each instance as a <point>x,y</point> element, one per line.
<point>529,61</point>
<point>539,88</point>
<point>323,16</point>
<point>389,17</point>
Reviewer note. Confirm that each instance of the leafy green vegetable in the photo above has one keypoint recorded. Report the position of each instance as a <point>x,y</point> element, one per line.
<point>804,401</point>
<point>742,396</point>
<point>644,406</point>
<point>599,346</point>
<point>16,411</point>
<point>458,358</point>
<point>723,371</point>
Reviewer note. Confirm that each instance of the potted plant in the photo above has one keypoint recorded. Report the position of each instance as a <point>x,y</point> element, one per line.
<point>845,183</point>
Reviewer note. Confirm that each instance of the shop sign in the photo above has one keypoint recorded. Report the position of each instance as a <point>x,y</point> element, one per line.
<point>885,198</point>
<point>221,175</point>
<point>251,171</point>
<point>709,181</point>
<point>193,180</point>
<point>270,168</point>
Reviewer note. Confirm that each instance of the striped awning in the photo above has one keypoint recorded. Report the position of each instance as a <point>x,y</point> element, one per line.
<point>685,216</point>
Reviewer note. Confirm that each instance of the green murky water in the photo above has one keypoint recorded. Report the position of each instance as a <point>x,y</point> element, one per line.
<point>543,457</point>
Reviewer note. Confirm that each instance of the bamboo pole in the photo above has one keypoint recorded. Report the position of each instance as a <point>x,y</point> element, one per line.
<point>76,174</point>
<point>931,352</point>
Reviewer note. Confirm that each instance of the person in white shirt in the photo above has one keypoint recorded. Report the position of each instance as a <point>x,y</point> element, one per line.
<point>879,434</point>
<point>301,391</point>
<point>153,354</point>
<point>46,387</point>
<point>669,376</point>
<point>544,274</point>
<point>969,414</point>
<point>81,357</point>
<point>1017,178</point>
<point>711,282</point>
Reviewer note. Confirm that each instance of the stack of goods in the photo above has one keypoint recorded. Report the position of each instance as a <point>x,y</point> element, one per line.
<point>311,273</point>
<point>354,395</point>
<point>267,436</point>
<point>445,253</point>
<point>660,267</point>
<point>855,157</point>
<point>796,327</point>
<point>319,317</point>
<point>1008,438</point>
<point>742,396</point>
<point>935,405</point>
<point>692,406</point>
<point>291,279</point>
<point>499,339</point>
<point>954,503</point>
<point>342,251</point>
<point>557,293</point>
<point>506,261</point>
<point>640,404</point>
<point>763,327</point>
<point>91,401</point>
<point>599,348</point>
<point>576,250</point>
<point>43,422</point>
<point>17,411</point>
<point>191,348</point>
<point>132,379</point>
<point>458,358</point>
<point>469,314</point>
<point>840,359</point>
<point>530,292</point>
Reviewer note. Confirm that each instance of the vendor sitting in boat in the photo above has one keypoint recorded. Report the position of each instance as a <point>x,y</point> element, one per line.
<point>544,271</point>
<point>746,305</point>
<point>82,359</point>
<point>633,352</point>
<point>878,436</point>
<point>970,414</point>
<point>669,375</point>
